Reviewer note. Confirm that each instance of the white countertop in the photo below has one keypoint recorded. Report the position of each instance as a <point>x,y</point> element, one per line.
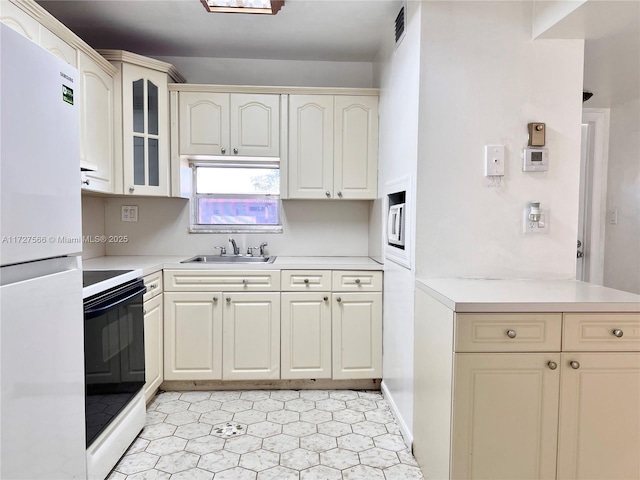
<point>482,295</point>
<point>153,263</point>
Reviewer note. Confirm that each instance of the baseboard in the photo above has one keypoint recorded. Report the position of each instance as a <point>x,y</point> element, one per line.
<point>319,384</point>
<point>404,430</point>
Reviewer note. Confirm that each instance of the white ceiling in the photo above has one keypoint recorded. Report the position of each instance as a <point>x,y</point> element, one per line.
<point>332,30</point>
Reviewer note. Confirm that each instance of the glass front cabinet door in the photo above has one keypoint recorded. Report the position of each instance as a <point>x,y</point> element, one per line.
<point>145,140</point>
<point>141,123</point>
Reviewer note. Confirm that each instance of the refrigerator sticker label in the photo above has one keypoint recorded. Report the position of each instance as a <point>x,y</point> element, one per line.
<point>67,94</point>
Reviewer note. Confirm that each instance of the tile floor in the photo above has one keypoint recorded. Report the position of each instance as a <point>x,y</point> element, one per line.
<point>268,435</point>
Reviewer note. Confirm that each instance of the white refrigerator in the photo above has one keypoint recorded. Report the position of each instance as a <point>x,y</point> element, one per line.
<point>42,431</point>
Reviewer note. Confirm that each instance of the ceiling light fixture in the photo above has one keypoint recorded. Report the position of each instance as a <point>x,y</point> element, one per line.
<point>243,6</point>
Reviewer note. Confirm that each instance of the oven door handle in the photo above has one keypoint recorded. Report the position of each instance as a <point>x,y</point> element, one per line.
<point>104,308</point>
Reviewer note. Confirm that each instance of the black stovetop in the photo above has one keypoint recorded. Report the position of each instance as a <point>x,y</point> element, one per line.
<point>90,277</point>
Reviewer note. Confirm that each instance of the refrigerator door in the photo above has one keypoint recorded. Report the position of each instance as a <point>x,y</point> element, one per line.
<point>42,431</point>
<point>40,213</point>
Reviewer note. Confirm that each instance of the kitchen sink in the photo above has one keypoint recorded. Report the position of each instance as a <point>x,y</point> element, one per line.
<point>228,259</point>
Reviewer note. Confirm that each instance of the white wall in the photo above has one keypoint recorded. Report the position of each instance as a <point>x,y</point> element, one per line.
<point>243,71</point>
<point>93,225</point>
<point>313,228</point>
<point>398,72</point>
<point>622,241</point>
<point>482,80</point>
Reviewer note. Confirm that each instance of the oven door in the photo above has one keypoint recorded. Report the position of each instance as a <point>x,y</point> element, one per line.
<point>114,353</point>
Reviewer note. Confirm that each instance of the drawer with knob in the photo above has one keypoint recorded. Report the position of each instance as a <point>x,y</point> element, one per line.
<point>602,332</point>
<point>306,280</point>
<point>508,332</point>
<point>216,281</point>
<point>153,282</point>
<point>356,281</point>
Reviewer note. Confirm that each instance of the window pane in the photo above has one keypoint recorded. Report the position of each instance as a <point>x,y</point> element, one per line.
<point>138,106</point>
<point>238,211</point>
<point>233,180</point>
<point>138,161</point>
<point>152,108</point>
<point>154,166</point>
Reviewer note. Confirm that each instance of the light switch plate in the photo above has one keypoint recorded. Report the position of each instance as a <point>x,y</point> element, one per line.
<point>129,213</point>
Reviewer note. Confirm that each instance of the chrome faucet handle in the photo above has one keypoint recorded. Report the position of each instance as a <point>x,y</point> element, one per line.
<point>250,250</point>
<point>223,250</point>
<point>261,247</point>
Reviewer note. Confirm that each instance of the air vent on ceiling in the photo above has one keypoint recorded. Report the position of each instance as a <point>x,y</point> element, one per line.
<point>400,24</point>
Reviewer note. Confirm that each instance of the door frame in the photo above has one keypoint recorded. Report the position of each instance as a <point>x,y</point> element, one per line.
<point>598,119</point>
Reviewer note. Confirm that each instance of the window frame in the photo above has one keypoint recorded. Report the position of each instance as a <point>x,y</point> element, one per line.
<point>195,227</point>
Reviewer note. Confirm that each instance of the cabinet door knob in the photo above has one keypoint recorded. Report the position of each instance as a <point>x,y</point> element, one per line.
<point>575,365</point>
<point>357,281</point>
<point>306,281</point>
<point>340,194</point>
<point>86,182</point>
<point>511,333</point>
<point>338,299</point>
<point>325,298</point>
<point>144,312</point>
<point>618,333</point>
<point>223,150</point>
<point>215,299</point>
<point>552,365</point>
<point>228,299</point>
<point>245,281</point>
<point>235,151</point>
<point>131,189</point>
<point>327,193</point>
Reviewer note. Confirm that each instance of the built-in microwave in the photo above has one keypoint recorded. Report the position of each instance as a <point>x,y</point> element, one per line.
<point>395,225</point>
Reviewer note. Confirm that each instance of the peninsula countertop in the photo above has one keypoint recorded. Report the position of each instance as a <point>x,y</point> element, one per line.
<point>485,296</point>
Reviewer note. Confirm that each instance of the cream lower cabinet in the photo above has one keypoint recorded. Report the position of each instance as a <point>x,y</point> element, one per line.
<point>306,335</point>
<point>153,346</point>
<point>357,335</point>
<point>515,435</point>
<point>526,395</point>
<point>193,335</point>
<point>251,336</point>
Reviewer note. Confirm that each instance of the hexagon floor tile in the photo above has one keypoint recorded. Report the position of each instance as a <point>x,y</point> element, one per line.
<point>285,434</point>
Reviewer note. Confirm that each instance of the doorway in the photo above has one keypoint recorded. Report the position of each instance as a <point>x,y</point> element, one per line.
<point>593,195</point>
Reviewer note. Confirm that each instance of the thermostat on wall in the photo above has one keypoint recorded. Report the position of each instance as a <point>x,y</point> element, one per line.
<point>535,160</point>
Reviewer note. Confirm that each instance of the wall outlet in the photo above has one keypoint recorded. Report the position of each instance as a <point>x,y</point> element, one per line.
<point>541,226</point>
<point>129,213</point>
<point>613,216</point>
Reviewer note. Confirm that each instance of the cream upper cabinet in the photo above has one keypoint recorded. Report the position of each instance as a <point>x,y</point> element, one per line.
<point>311,146</point>
<point>58,47</point>
<point>306,335</point>
<point>142,128</point>
<point>333,146</point>
<point>355,165</point>
<point>515,435</point>
<point>193,336</point>
<point>229,124</point>
<point>153,346</point>
<point>599,434</point>
<point>203,123</point>
<point>251,329</point>
<point>96,124</point>
<point>20,21</point>
<point>357,335</point>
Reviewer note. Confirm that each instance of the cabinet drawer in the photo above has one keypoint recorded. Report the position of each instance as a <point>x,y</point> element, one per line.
<point>357,281</point>
<point>601,332</point>
<point>153,283</point>
<point>306,280</point>
<point>507,332</point>
<point>227,281</point>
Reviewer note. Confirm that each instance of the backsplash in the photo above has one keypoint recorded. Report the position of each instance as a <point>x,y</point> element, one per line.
<point>324,228</point>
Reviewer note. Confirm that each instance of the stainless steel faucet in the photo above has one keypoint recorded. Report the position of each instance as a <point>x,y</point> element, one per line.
<point>236,250</point>
<point>262,245</point>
